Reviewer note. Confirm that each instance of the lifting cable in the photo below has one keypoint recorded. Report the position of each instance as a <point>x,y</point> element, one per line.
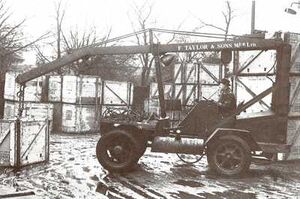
<point>178,32</point>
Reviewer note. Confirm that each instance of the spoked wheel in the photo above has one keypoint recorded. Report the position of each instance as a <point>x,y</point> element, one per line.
<point>229,156</point>
<point>116,151</point>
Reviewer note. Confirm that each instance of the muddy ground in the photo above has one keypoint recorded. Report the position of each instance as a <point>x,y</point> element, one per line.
<point>74,172</point>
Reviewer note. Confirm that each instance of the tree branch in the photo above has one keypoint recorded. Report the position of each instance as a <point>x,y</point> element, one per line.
<point>27,45</point>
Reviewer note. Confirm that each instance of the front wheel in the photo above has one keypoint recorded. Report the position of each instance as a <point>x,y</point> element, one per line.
<point>116,151</point>
<point>229,156</point>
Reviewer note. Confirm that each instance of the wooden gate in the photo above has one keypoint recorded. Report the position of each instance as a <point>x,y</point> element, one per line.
<point>29,147</point>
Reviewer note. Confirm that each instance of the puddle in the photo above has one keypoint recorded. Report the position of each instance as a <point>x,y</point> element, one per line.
<point>156,176</point>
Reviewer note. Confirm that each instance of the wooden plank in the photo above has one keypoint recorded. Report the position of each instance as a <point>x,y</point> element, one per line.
<point>19,194</point>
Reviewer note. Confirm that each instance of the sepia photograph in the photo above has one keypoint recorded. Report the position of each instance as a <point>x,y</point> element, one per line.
<point>149,99</point>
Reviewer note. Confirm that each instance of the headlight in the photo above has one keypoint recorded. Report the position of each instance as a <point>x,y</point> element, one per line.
<point>178,131</point>
<point>116,125</point>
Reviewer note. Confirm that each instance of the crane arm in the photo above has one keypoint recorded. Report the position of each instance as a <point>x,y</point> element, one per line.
<point>76,55</point>
<point>239,44</point>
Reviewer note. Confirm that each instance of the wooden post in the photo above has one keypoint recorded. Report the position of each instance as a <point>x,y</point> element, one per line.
<point>18,143</point>
<point>281,96</point>
<point>160,85</point>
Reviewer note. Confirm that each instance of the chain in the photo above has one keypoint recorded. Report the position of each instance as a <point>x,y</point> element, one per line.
<point>20,95</point>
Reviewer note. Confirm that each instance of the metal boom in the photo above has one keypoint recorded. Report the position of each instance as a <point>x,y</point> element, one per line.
<point>239,44</point>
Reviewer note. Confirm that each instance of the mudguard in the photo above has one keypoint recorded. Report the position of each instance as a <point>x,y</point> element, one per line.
<point>243,134</point>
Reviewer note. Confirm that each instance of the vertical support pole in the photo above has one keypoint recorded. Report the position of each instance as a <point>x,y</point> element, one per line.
<point>183,81</point>
<point>160,85</point>
<point>47,137</point>
<point>102,95</point>
<point>97,104</point>
<point>174,83</point>
<point>235,69</point>
<point>280,98</point>
<point>253,17</point>
<point>79,87</point>
<point>61,102</point>
<point>18,143</point>
<point>198,82</point>
<point>128,94</point>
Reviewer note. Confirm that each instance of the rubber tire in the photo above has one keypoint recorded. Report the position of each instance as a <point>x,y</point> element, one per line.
<point>212,149</point>
<point>102,148</point>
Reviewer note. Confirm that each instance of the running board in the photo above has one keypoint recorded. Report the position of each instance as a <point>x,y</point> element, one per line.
<point>260,160</point>
<point>274,148</point>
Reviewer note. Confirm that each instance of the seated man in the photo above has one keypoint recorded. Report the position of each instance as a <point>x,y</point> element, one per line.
<point>227,100</point>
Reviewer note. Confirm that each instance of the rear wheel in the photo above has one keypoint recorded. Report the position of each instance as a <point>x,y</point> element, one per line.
<point>229,156</point>
<point>116,151</point>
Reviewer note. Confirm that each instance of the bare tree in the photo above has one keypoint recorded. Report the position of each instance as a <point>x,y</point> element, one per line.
<point>142,19</point>
<point>11,47</point>
<point>65,42</point>
<point>110,67</point>
<point>59,17</point>
<point>55,41</point>
<point>228,16</point>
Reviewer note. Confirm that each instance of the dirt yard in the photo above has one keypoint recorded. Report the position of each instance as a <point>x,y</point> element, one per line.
<point>74,172</point>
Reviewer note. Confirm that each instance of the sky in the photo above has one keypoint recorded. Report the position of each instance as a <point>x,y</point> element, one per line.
<point>168,14</point>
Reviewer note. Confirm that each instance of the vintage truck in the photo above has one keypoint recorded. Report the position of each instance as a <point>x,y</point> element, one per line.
<point>229,143</point>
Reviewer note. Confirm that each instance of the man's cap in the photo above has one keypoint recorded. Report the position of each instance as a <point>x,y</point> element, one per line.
<point>225,82</point>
